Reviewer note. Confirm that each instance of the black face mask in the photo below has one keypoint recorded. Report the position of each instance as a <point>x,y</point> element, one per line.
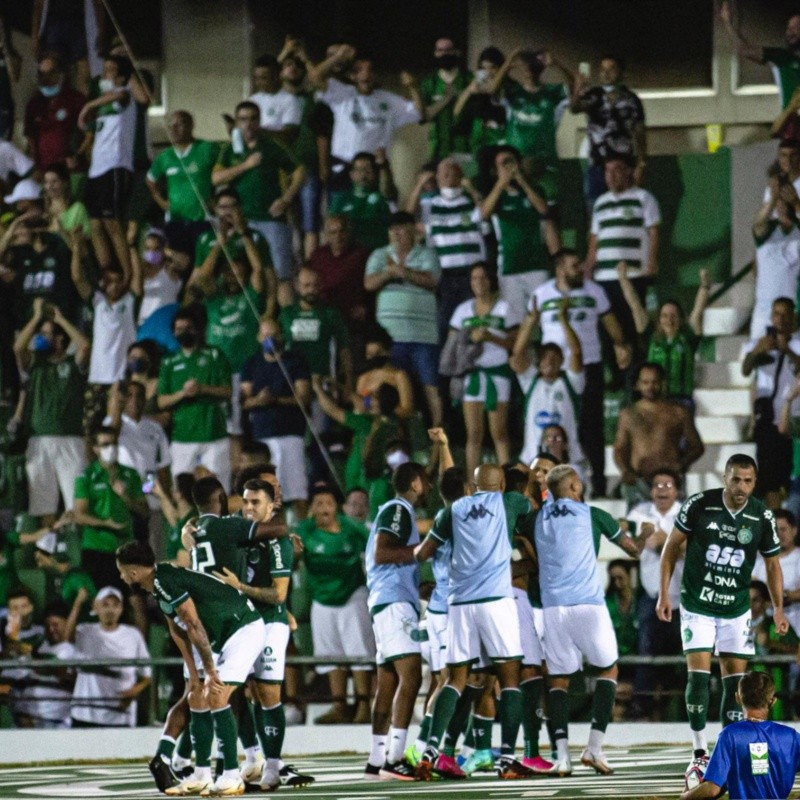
<point>377,362</point>
<point>186,338</point>
<point>448,61</point>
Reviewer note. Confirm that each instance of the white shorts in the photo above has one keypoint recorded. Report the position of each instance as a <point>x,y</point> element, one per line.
<point>502,386</point>
<point>538,626</point>
<point>239,653</point>
<point>271,662</point>
<point>437,640</point>
<point>214,456</point>
<point>52,463</point>
<point>516,290</point>
<point>289,458</point>
<point>728,637</point>
<point>234,421</point>
<point>532,653</point>
<point>578,633</point>
<point>490,629</point>
<point>396,630</point>
<point>343,631</point>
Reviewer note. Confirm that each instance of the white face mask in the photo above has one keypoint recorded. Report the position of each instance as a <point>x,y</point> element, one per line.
<point>395,459</point>
<point>451,192</point>
<point>106,85</point>
<point>108,453</point>
<point>609,87</point>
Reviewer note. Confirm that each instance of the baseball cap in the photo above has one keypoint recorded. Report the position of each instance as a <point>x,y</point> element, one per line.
<point>108,591</point>
<point>53,546</point>
<point>26,189</point>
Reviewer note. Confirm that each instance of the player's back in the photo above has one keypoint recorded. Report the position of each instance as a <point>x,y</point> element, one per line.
<point>220,543</point>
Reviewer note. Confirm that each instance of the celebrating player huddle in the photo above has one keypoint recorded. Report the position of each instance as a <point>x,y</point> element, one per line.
<point>517,601</point>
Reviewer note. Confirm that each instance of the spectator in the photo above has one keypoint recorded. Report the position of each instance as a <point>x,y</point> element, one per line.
<point>48,693</point>
<point>10,62</point>
<point>775,358</point>
<point>653,433</point>
<point>107,698</point>
<point>615,124</point>
<point>668,340</point>
<point>111,169</point>
<point>281,112</point>
<point>356,505</point>
<point>439,91</point>
<point>194,384</point>
<point>186,169</point>
<point>656,638</point>
<point>534,111</point>
<point>625,228</point>
<point>162,270</point>
<point>142,366</point>
<point>108,496</point>
<point>552,394</point>
<point>252,164</point>
<point>276,390</point>
<point>178,508</point>
<point>52,557</point>
<point>64,214</point>
<point>453,230</point>
<point>333,549</point>
<point>405,275</point>
<point>380,370</point>
<point>487,389</point>
<point>53,407</point>
<point>340,265</point>
<point>364,118</point>
<point>589,307</point>
<point>14,165</point>
<point>777,240</point>
<point>364,203</point>
<point>526,235</point>
<point>621,604</point>
<point>51,118</point>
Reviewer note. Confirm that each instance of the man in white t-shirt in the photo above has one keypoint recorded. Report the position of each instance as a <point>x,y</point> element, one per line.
<point>281,111</point>
<point>655,637</point>
<point>589,307</point>
<point>789,557</point>
<point>364,118</point>
<point>13,160</point>
<point>106,698</point>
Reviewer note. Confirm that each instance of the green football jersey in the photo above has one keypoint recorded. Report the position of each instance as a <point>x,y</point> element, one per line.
<point>721,551</point>
<point>533,118</point>
<point>785,67</point>
<point>517,226</point>
<point>222,609</point>
<point>234,246</point>
<point>369,213</point>
<point>233,325</point>
<point>221,542</point>
<point>312,333</point>
<point>267,560</point>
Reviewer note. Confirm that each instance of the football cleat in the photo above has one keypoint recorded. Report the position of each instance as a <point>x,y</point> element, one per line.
<point>597,761</point>
<point>561,768</point>
<point>372,773</point>
<point>401,771</point>
<point>191,786</point>
<point>291,777</point>
<point>162,774</point>
<point>695,772</point>
<point>446,768</point>
<point>412,755</point>
<point>228,787</point>
<point>479,761</point>
<point>537,764</point>
<point>509,769</point>
<point>251,770</point>
<point>270,780</point>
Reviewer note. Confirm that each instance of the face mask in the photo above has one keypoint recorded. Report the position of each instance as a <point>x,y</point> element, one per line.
<point>609,87</point>
<point>186,338</point>
<point>108,453</point>
<point>106,85</point>
<point>271,345</point>
<point>451,192</point>
<point>50,91</point>
<point>41,344</point>
<point>377,362</point>
<point>138,366</point>
<point>311,298</point>
<point>395,459</point>
<point>449,61</point>
<point>153,257</point>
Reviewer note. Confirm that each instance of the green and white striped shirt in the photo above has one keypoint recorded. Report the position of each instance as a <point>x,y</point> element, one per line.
<point>453,228</point>
<point>621,222</point>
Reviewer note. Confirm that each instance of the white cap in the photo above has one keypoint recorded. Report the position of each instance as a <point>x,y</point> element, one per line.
<point>48,543</point>
<point>26,189</point>
<point>108,591</point>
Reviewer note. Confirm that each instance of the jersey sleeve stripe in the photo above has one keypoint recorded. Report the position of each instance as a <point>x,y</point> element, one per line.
<point>178,600</point>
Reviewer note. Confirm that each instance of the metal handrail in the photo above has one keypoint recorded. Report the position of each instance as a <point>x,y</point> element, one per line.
<point>730,282</point>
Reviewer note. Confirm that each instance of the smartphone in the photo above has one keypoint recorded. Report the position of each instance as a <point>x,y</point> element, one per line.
<point>585,69</point>
<point>772,330</point>
<point>481,76</point>
<point>149,483</point>
<point>367,402</point>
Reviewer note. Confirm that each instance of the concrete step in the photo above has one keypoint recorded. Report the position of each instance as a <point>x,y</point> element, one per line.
<point>720,375</point>
<point>701,481</point>
<point>712,461</point>
<point>723,402</point>
<point>721,430</point>
<point>740,295</point>
<point>729,348</point>
<point>724,321</point>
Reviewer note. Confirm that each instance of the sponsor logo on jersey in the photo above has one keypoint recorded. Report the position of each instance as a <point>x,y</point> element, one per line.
<point>712,527</point>
<point>556,510</point>
<point>478,512</point>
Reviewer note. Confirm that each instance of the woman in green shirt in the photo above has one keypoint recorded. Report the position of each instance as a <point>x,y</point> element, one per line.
<point>621,604</point>
<point>64,214</point>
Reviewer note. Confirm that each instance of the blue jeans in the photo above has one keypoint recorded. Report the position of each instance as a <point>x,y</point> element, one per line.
<point>419,360</point>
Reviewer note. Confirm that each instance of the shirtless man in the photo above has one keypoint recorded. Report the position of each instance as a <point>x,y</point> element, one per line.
<point>653,434</point>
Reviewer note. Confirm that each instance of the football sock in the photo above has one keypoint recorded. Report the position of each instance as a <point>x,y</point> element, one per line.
<point>697,699</point>
<point>166,747</point>
<point>396,744</point>
<point>202,731</point>
<point>510,718</point>
<point>469,736</point>
<point>605,692</point>
<point>557,703</point>
<point>595,743</point>
<point>422,736</point>
<point>482,732</point>
<point>273,729</point>
<point>459,719</point>
<point>247,727</point>
<point>184,747</point>
<point>225,731</point>
<point>443,710</point>
<point>251,754</point>
<point>730,710</point>
<point>531,721</point>
<point>377,755</point>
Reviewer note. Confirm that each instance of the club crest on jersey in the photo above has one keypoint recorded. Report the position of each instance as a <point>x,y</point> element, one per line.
<point>745,536</point>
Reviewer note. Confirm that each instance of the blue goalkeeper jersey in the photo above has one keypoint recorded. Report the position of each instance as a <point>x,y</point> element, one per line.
<point>755,759</point>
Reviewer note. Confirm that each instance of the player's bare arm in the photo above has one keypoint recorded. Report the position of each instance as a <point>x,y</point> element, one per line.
<point>272,595</point>
<point>669,557</point>
<point>187,613</point>
<point>389,550</point>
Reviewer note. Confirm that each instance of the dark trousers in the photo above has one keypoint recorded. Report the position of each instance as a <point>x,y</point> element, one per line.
<point>622,311</point>
<point>453,290</point>
<point>590,429</point>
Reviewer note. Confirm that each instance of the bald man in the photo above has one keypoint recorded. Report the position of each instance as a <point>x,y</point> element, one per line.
<point>483,625</point>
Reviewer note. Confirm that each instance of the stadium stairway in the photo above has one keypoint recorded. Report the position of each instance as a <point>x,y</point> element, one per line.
<point>722,397</point>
